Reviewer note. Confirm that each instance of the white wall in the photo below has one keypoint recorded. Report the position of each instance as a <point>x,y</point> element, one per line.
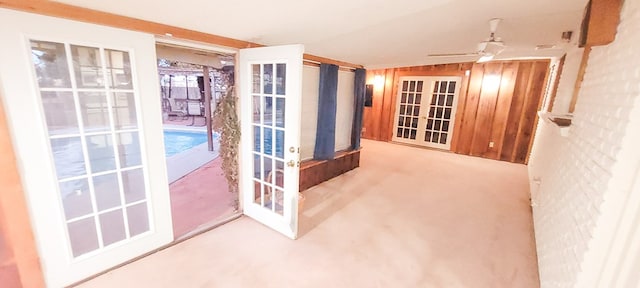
<point>344,113</point>
<point>582,184</point>
<point>567,80</point>
<point>310,81</point>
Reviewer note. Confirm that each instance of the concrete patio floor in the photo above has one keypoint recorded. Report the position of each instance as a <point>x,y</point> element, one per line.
<point>407,217</point>
<point>200,199</point>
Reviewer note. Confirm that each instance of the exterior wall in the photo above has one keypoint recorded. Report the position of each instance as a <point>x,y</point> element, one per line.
<point>582,184</point>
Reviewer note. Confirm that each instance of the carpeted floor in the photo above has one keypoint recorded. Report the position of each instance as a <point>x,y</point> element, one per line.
<point>407,217</point>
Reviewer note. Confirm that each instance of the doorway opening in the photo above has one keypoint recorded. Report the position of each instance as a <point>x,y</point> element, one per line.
<point>192,84</point>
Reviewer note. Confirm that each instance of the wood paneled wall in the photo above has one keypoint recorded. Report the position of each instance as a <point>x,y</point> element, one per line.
<point>378,119</point>
<point>497,107</point>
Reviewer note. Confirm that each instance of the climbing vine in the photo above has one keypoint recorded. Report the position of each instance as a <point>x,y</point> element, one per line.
<point>225,120</point>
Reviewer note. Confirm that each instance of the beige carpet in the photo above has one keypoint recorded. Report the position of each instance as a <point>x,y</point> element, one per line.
<point>408,217</point>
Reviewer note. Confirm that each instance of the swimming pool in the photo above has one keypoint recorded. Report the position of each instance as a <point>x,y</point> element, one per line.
<point>176,141</point>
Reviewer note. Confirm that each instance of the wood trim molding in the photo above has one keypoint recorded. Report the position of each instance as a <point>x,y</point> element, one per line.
<point>314,58</point>
<point>316,64</point>
<point>76,13</point>
<point>61,10</point>
<point>430,73</point>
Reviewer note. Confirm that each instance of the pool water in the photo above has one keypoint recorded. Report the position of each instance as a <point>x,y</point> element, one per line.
<point>267,141</point>
<point>179,141</point>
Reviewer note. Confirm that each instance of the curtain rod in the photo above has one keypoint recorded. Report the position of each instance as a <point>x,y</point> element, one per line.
<point>317,64</point>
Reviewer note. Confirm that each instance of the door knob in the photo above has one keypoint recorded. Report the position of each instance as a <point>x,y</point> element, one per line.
<point>291,163</point>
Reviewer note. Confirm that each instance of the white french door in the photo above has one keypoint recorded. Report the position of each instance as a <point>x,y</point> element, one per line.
<point>83,105</point>
<point>425,111</point>
<point>270,86</point>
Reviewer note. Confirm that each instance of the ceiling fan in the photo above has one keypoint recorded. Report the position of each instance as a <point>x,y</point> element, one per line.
<point>487,49</point>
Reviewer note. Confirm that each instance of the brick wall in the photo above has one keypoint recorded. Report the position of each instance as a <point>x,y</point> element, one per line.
<point>580,183</point>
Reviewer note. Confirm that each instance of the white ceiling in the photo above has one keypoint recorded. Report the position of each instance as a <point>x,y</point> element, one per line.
<point>374,33</point>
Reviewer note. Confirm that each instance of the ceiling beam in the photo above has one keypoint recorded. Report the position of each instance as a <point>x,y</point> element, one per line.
<point>76,13</point>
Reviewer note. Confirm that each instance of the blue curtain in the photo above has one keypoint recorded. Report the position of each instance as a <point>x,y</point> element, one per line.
<point>359,91</point>
<point>327,106</point>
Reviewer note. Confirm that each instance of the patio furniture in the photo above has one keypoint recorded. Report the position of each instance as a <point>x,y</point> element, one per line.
<point>173,107</point>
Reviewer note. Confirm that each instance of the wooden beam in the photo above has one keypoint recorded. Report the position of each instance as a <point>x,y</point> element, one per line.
<point>581,71</point>
<point>316,64</point>
<point>76,13</point>
<point>602,22</point>
<point>206,79</point>
<point>81,14</point>
<point>319,59</point>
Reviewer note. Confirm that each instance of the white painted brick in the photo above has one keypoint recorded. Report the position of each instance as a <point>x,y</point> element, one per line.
<point>584,174</point>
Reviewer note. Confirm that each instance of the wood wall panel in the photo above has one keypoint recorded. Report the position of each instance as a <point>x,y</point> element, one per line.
<point>505,97</point>
<point>529,115</point>
<point>504,114</point>
<point>486,108</point>
<point>372,116</point>
<point>388,104</point>
<point>462,102</point>
<point>465,131</point>
<point>515,112</point>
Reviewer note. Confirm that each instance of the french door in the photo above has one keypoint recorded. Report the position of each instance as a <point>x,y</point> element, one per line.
<point>425,111</point>
<point>270,97</point>
<point>84,108</point>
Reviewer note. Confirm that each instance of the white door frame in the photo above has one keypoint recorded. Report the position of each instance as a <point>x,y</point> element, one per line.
<point>30,138</point>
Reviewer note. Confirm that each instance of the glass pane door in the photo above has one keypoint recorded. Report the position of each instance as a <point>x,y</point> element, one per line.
<point>92,121</point>
<point>269,99</point>
<point>441,112</point>
<point>83,106</point>
<point>408,115</point>
<point>425,111</point>
<point>270,95</point>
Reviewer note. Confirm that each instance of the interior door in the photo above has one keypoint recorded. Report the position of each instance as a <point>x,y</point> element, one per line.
<point>425,111</point>
<point>270,98</point>
<point>83,105</point>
